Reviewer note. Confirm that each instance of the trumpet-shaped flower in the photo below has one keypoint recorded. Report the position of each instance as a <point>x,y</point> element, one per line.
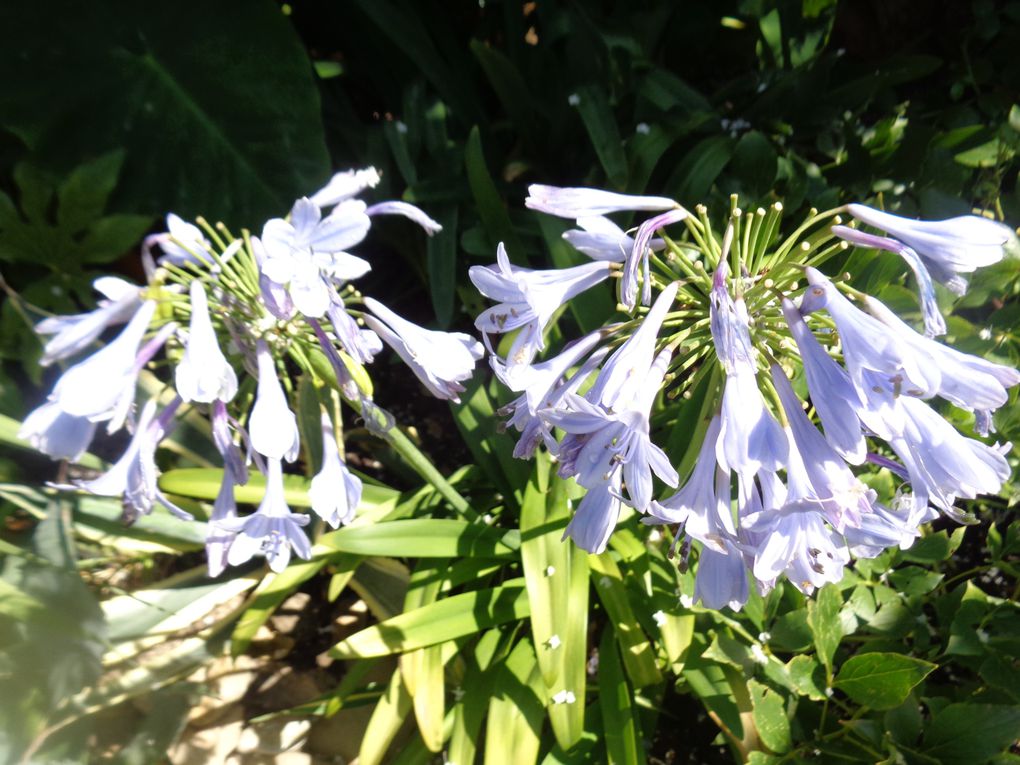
<point>585,203</point>
<point>102,387</point>
<point>625,372</point>
<point>307,251</point>
<point>134,476</point>
<point>617,440</point>
<point>409,211</point>
<point>441,360</point>
<point>601,239</point>
<point>272,426</point>
<point>73,334</point>
<point>749,438</point>
<point>702,506</point>
<point>345,185</point>
<point>335,491</point>
<point>948,247</point>
<point>54,432</point>
<point>203,374</point>
<point>361,344</point>
<point>722,578</point>
<point>839,494</point>
<point>596,516</point>
<point>834,396</point>
<point>218,538</point>
<point>528,299</point>
<point>224,441</point>
<point>638,256</point>
<point>944,465</point>
<point>934,323</point>
<point>272,530</point>
<point>968,381</point>
<point>868,344</point>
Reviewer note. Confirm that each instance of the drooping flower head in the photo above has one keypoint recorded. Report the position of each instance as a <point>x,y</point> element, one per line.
<point>772,493</point>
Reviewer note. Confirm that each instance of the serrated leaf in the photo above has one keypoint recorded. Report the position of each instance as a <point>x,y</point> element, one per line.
<point>881,680</point>
<point>446,619</point>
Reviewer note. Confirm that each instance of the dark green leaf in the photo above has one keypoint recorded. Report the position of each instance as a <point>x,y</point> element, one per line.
<point>881,680</point>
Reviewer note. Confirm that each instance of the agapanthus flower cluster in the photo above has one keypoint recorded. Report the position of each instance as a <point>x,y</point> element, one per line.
<point>230,318</point>
<point>743,323</point>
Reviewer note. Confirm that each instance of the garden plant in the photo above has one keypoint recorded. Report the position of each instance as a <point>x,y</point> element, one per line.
<point>401,382</point>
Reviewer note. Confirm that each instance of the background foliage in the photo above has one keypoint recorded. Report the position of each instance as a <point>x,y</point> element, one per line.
<point>113,113</point>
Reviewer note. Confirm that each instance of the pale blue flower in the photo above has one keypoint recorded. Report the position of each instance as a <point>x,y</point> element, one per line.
<point>134,476</point>
<point>834,396</point>
<point>362,345</point>
<point>203,374</point>
<point>307,252</point>
<point>54,432</point>
<point>868,344</point>
<point>722,578</point>
<point>181,243</point>
<point>223,439</point>
<point>840,496</point>
<point>73,334</point>
<point>601,239</point>
<point>102,387</point>
<point>441,360</point>
<point>345,185</point>
<point>623,374</point>
<point>968,381</point>
<point>750,438</point>
<point>596,516</point>
<point>943,465</point>
<point>611,440</point>
<point>639,256</point>
<point>272,426</point>
<point>408,211</point>
<point>702,505</point>
<point>949,247</point>
<point>528,299</point>
<point>272,530</point>
<point>585,202</point>
<point>934,323</point>
<point>218,538</point>
<point>335,491</point>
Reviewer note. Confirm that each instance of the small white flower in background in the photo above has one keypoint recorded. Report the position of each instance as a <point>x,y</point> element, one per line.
<point>272,426</point>
<point>203,374</point>
<point>334,492</point>
<point>564,697</point>
<point>73,334</point>
<point>441,360</point>
<point>272,530</point>
<point>553,642</point>
<point>659,617</point>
